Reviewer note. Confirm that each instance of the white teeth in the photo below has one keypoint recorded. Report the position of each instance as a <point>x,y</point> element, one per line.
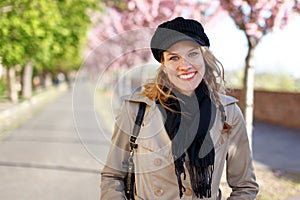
<point>187,76</point>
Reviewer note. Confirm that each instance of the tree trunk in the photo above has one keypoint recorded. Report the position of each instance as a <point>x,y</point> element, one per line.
<point>1,68</point>
<point>127,81</point>
<point>27,81</point>
<point>11,80</point>
<point>48,80</point>
<point>248,89</point>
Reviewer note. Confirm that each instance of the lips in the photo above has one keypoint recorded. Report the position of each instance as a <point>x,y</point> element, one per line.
<point>187,76</point>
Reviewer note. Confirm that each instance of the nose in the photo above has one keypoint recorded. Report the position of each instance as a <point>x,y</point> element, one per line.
<point>184,65</point>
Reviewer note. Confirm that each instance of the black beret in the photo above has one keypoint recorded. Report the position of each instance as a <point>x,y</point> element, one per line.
<point>178,29</point>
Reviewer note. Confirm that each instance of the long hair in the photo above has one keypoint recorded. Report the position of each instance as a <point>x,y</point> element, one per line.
<point>213,77</point>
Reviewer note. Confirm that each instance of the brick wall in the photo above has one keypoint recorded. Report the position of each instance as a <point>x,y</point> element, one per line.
<point>282,108</point>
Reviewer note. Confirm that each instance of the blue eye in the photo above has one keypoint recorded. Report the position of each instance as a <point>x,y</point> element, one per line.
<point>192,54</point>
<point>174,58</point>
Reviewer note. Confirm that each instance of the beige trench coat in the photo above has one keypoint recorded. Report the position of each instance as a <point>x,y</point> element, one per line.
<point>155,175</point>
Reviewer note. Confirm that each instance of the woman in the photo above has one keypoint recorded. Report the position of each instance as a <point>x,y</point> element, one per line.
<point>189,129</point>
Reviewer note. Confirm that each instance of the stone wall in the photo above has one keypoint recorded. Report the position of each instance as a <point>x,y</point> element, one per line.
<point>282,108</point>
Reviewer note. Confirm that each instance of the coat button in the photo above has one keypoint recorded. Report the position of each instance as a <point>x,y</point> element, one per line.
<point>157,162</point>
<point>188,192</point>
<point>158,192</point>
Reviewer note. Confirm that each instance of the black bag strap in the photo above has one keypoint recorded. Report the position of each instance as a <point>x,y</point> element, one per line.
<point>137,125</point>
<point>130,178</point>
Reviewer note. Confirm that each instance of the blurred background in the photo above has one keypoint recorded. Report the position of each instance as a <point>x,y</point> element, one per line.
<point>64,65</point>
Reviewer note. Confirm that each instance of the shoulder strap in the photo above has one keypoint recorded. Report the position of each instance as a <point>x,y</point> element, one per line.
<point>137,125</point>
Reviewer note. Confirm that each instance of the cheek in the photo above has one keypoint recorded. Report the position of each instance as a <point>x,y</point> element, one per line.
<point>203,70</point>
<point>170,71</point>
<point>201,67</point>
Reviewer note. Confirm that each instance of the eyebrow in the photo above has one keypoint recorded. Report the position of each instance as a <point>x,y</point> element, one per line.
<point>174,53</point>
<point>170,53</point>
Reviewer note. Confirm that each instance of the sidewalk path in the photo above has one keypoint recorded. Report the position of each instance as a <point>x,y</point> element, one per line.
<point>276,147</point>
<point>51,157</point>
<point>46,159</point>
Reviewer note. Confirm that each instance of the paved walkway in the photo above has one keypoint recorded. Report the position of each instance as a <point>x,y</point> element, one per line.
<point>276,147</point>
<point>45,159</point>
<point>59,153</point>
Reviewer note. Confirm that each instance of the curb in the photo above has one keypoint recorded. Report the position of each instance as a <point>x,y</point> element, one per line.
<point>294,198</point>
<point>16,115</point>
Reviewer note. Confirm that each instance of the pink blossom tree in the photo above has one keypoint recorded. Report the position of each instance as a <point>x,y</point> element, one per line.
<point>256,18</point>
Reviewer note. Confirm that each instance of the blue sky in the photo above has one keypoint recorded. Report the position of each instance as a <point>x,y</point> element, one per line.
<point>278,52</point>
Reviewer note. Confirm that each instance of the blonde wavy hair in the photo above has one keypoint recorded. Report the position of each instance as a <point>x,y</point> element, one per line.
<point>213,77</point>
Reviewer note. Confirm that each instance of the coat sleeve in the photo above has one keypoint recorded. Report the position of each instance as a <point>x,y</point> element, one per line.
<point>240,172</point>
<point>114,171</point>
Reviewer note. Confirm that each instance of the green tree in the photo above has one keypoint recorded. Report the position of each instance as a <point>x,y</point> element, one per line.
<point>25,36</point>
<point>73,31</point>
<point>275,82</point>
<point>47,35</point>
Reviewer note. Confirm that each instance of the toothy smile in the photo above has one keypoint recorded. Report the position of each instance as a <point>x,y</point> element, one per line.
<point>187,76</point>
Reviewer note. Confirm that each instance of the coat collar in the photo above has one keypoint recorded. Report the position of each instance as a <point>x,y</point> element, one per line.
<point>138,97</point>
<point>227,100</point>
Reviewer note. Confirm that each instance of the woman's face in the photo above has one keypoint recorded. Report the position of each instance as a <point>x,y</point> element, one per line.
<point>184,65</point>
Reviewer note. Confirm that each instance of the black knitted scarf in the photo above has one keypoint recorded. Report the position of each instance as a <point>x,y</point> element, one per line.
<point>188,127</point>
